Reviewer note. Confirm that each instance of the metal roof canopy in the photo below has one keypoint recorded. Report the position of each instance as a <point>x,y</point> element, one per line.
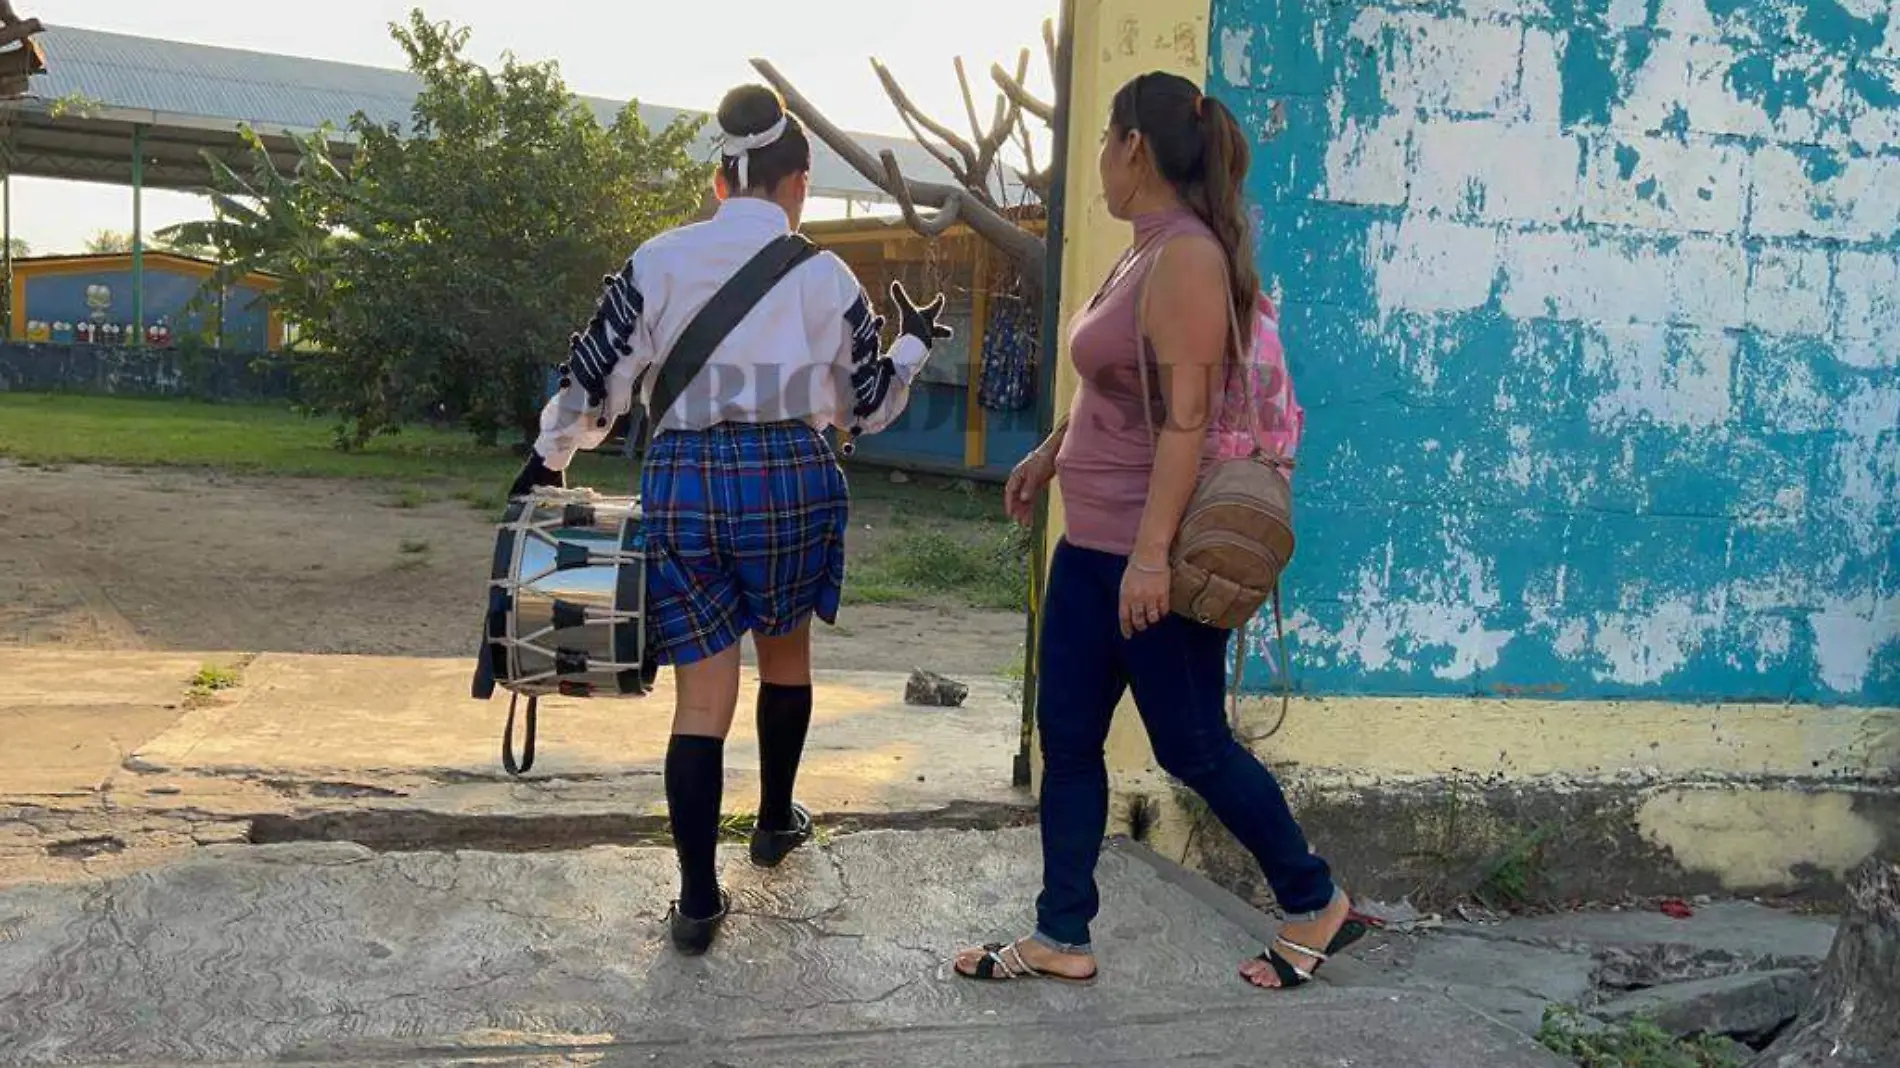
<point>190,99</point>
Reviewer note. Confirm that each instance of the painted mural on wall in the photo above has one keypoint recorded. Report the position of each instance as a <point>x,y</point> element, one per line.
<point>96,308</point>
<point>1595,309</point>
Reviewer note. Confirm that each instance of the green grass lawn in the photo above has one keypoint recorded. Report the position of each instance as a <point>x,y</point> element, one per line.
<point>929,540</point>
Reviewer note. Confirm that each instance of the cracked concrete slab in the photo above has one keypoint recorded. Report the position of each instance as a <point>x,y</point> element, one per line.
<point>1509,982</point>
<point>333,953</point>
<point>392,752</point>
<point>71,718</point>
<point>1739,928</point>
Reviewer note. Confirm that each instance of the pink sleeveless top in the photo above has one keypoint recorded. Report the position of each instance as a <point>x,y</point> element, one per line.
<point>1107,457</point>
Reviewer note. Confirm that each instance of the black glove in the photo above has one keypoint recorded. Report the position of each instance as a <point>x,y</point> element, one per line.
<point>920,323</point>
<point>535,473</point>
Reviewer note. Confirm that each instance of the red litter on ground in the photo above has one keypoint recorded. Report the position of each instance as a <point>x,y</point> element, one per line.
<point>1676,908</point>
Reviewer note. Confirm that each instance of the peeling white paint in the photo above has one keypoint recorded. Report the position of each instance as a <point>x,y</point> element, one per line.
<point>1425,265</point>
<point>1698,187</point>
<point>1368,164</point>
<point>1867,288</point>
<point>1847,632</point>
<point>1867,459</point>
<point>1639,648</point>
<point>1861,203</point>
<point>1774,638</point>
<point>1236,61</point>
<point>1485,169</point>
<point>1675,378</point>
<point>1382,635</point>
<point>1441,64</point>
<point>1518,470</point>
<point>1700,253</point>
<point>1790,290</point>
<point>1572,639</point>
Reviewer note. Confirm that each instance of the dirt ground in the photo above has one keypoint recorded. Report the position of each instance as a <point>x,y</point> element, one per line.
<point>164,559</point>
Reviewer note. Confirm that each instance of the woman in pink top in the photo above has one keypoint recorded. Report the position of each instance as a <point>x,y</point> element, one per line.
<point>1173,163</point>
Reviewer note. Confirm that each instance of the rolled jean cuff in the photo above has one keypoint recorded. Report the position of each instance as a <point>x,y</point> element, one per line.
<point>1309,916</point>
<point>1062,947</point>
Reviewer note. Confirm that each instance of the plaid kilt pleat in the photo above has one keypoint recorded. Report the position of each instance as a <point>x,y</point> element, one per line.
<point>745,526</point>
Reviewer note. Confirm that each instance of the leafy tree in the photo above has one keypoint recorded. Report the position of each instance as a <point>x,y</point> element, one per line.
<point>105,241</point>
<point>19,248</point>
<point>177,246</point>
<point>443,273</point>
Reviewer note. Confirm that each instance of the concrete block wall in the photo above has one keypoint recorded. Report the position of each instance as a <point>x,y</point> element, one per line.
<point>1595,309</point>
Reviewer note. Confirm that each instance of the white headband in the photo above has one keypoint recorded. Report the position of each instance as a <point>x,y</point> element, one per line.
<point>735,146</point>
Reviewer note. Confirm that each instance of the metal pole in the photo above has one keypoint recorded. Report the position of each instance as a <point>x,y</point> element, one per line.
<point>1046,374</point>
<point>6,272</point>
<point>138,236</point>
<point>217,254</point>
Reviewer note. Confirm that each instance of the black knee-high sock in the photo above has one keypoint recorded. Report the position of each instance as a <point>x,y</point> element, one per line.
<point>695,777</point>
<point>784,717</point>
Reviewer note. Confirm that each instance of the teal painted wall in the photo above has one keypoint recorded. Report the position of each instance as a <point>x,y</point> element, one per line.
<point>1595,310</point>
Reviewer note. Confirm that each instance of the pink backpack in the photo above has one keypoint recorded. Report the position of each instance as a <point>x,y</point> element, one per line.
<point>1263,383</point>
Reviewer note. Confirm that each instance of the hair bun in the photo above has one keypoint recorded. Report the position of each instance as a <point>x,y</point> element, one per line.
<point>750,109</point>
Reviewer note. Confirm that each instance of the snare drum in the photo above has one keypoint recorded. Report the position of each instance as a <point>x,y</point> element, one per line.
<point>567,597</point>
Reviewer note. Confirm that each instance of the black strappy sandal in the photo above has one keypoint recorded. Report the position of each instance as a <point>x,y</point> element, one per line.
<point>694,937</point>
<point>770,848</point>
<point>1003,961</point>
<point>1357,926</point>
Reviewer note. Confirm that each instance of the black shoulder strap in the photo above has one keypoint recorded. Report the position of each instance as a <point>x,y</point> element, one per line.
<point>725,310</point>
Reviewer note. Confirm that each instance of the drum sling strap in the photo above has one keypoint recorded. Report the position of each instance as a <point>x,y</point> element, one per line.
<point>696,344</point>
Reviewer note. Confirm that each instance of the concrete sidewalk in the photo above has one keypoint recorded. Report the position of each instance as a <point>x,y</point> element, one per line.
<point>112,764</point>
<point>333,954</point>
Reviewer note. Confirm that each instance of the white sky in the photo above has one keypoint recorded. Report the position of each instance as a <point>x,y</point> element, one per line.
<point>669,52</point>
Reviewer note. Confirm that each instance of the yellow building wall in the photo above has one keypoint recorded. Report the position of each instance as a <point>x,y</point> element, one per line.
<point>1114,40</point>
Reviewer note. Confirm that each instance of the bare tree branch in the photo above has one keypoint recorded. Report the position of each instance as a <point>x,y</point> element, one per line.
<point>1025,248</point>
<point>912,113</point>
<point>1021,97</point>
<point>938,222</point>
<point>969,101</point>
<point>954,166</point>
<point>1009,118</point>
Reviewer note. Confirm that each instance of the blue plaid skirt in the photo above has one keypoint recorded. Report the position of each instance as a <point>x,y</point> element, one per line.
<point>745,527</point>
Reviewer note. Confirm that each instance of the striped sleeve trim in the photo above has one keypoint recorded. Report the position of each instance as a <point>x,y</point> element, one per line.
<point>871,371</point>
<point>593,352</point>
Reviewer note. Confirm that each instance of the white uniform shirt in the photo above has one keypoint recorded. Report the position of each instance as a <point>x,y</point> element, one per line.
<point>807,352</point>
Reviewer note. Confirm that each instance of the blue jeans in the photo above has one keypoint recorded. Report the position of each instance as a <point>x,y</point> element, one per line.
<point>1178,671</point>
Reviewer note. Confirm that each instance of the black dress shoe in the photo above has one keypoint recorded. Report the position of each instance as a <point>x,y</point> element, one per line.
<point>769,848</point>
<point>694,937</point>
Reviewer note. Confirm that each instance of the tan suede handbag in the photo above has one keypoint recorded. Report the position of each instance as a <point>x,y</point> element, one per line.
<point>1236,536</point>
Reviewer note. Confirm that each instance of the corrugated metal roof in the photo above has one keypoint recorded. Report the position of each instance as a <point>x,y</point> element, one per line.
<point>199,85</point>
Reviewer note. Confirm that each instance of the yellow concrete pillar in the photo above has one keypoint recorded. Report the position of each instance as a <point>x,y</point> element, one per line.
<point>1114,40</point>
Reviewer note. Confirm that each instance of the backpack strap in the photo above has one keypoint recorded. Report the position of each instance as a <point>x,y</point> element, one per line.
<point>1240,674</point>
<point>1144,355</point>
